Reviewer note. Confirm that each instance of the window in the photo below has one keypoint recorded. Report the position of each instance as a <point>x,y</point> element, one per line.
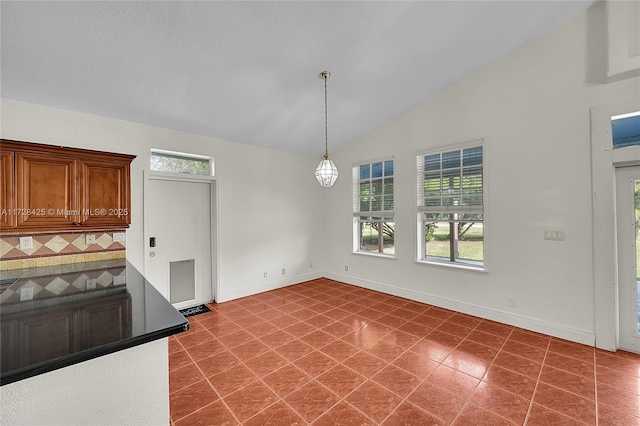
<point>177,162</point>
<point>451,206</point>
<point>625,130</point>
<point>374,228</point>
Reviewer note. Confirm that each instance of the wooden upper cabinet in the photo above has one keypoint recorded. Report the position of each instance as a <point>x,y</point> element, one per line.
<point>47,191</point>
<point>57,188</point>
<point>7,191</point>
<point>105,196</point>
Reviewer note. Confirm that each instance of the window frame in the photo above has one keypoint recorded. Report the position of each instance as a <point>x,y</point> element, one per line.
<point>183,155</point>
<point>377,216</point>
<point>471,209</point>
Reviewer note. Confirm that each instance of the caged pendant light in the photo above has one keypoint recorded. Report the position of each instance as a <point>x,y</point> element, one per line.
<point>327,172</point>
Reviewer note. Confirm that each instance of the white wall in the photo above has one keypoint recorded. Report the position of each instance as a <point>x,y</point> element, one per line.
<point>128,387</point>
<point>532,108</point>
<point>264,224</point>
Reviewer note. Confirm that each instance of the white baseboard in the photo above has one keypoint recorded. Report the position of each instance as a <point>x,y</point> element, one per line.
<point>527,323</point>
<point>249,290</point>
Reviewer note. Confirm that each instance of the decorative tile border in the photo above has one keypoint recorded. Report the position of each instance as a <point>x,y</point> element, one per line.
<point>7,266</point>
<point>59,249</point>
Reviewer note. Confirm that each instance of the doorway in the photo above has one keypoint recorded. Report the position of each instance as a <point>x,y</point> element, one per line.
<point>628,247</point>
<point>180,225</point>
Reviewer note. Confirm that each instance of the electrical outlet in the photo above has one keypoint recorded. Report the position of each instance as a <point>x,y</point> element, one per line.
<point>90,239</point>
<point>91,283</point>
<point>118,237</point>
<point>346,268</point>
<point>265,275</point>
<point>119,280</point>
<point>511,301</point>
<point>26,293</point>
<point>284,271</point>
<point>26,243</point>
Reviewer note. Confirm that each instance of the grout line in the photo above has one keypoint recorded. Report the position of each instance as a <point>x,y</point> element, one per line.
<point>421,380</point>
<point>343,399</point>
<point>371,377</point>
<point>468,400</point>
<point>301,299</point>
<point>535,389</point>
<point>289,362</point>
<point>212,388</point>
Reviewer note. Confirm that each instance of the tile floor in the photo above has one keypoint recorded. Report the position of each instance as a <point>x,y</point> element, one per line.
<point>327,353</point>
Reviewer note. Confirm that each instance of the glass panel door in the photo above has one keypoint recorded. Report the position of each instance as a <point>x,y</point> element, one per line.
<point>628,242</point>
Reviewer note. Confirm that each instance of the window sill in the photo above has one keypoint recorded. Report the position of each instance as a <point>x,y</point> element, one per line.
<point>456,266</point>
<point>380,255</point>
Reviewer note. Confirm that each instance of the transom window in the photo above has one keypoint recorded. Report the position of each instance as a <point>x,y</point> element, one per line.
<point>451,205</point>
<point>373,207</point>
<point>625,130</point>
<point>178,162</point>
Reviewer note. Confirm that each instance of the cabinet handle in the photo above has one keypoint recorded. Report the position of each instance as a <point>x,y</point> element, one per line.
<point>77,223</point>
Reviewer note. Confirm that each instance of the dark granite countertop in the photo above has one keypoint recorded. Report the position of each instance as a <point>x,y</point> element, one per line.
<point>53,317</point>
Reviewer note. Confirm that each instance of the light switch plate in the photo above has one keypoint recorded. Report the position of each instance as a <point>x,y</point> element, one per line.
<point>554,234</point>
<point>118,237</point>
<point>119,280</point>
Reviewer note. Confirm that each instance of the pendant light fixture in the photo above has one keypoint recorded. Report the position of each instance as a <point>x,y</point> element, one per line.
<point>327,172</point>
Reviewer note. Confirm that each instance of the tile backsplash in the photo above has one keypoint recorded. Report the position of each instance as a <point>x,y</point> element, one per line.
<point>59,249</point>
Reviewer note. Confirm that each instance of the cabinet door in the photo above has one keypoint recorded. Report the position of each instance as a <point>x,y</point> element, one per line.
<point>104,193</point>
<point>7,191</point>
<point>47,336</point>
<point>47,191</point>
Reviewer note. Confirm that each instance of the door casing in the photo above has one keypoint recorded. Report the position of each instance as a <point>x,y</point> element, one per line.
<point>604,159</point>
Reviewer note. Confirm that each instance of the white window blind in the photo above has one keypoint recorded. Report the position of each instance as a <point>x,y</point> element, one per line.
<point>451,181</point>
<point>373,189</point>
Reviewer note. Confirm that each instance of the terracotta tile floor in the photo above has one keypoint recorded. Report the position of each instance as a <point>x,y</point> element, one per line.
<point>327,353</point>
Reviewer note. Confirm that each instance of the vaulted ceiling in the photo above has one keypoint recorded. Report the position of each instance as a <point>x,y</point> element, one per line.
<point>249,71</point>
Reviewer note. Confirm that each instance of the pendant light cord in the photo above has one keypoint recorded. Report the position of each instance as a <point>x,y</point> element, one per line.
<point>326,129</point>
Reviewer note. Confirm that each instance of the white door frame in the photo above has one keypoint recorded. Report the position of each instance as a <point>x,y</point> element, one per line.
<point>176,177</point>
<point>604,259</point>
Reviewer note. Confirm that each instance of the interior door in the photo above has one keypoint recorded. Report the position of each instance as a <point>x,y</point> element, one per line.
<point>179,238</point>
<point>628,237</point>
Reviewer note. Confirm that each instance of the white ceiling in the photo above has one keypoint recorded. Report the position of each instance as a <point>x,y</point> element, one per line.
<point>249,71</point>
